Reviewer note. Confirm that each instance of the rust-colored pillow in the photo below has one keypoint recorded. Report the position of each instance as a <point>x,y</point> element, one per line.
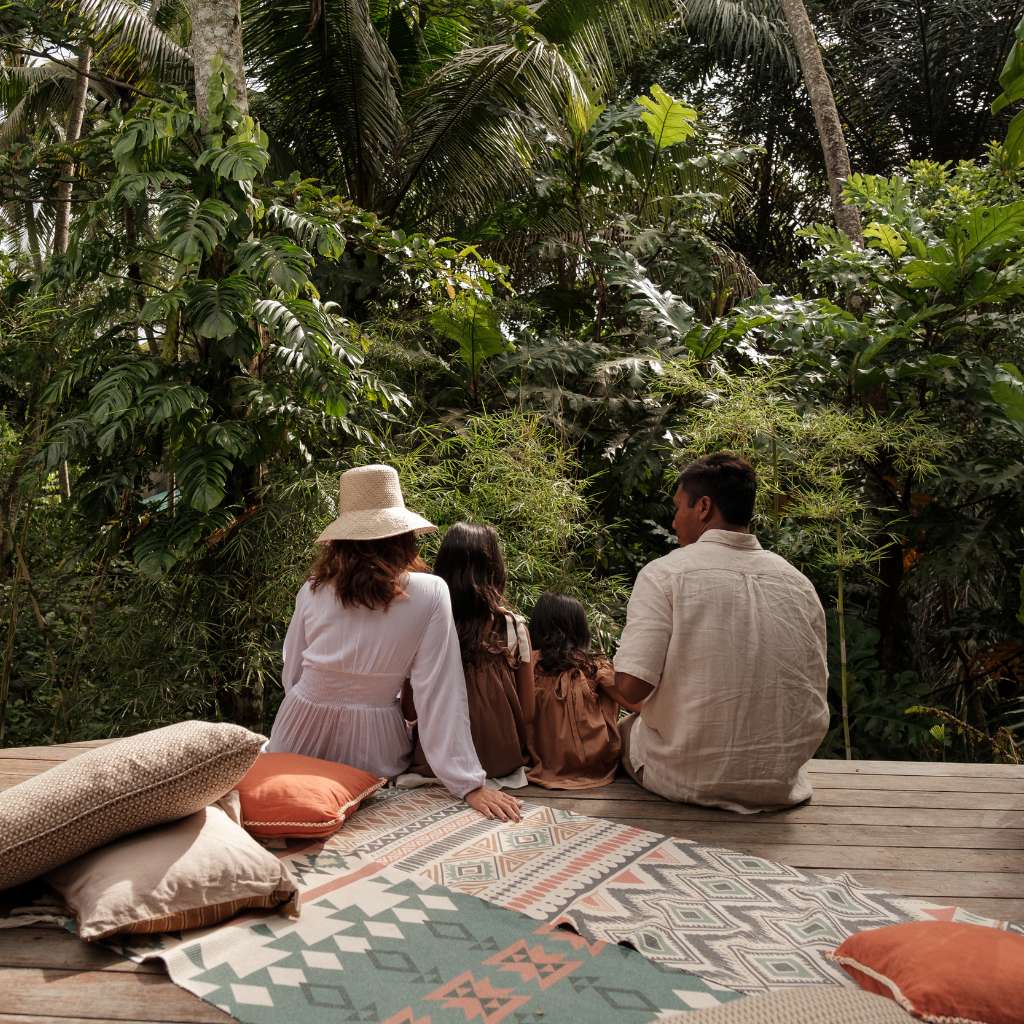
<point>941,971</point>
<point>292,796</point>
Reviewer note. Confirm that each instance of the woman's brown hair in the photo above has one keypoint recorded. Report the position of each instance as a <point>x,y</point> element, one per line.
<point>367,572</point>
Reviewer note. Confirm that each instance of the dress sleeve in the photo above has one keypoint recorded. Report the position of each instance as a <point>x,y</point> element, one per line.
<point>439,690</point>
<point>525,652</point>
<point>294,644</point>
<point>645,639</point>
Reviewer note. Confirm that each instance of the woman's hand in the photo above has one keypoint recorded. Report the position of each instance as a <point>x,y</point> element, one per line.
<point>493,803</point>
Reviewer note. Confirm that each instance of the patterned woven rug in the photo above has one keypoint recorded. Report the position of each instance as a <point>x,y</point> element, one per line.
<point>375,943</point>
<point>735,920</point>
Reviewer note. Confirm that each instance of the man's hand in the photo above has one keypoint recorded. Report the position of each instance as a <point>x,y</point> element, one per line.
<point>493,803</point>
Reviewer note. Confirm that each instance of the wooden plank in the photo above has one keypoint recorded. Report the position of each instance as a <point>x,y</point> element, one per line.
<point>980,798</point>
<point>1000,910</point>
<point>28,766</point>
<point>23,1018</point>
<point>102,995</point>
<point>917,783</point>
<point>955,768</point>
<point>652,816</point>
<point>58,949</point>
<point>729,833</point>
<point>853,858</point>
<point>57,752</point>
<point>943,886</point>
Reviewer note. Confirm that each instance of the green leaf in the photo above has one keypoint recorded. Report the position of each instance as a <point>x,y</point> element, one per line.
<point>669,121</point>
<point>278,260</point>
<point>216,309</point>
<point>1014,143</point>
<point>1008,391</point>
<point>203,477</point>
<point>985,228</point>
<point>886,238</point>
<point>473,325</point>
<point>193,228</point>
<point>237,161</point>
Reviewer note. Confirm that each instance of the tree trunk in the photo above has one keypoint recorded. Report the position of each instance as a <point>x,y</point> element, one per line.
<point>217,32</point>
<point>764,199</point>
<point>76,117</point>
<point>826,116</point>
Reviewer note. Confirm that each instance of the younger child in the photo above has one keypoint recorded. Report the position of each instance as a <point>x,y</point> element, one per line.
<point>575,737</point>
<point>496,653</point>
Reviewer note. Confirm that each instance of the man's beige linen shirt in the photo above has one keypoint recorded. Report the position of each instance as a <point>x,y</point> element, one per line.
<point>732,637</point>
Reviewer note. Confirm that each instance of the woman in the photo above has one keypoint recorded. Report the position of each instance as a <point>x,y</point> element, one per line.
<point>365,621</point>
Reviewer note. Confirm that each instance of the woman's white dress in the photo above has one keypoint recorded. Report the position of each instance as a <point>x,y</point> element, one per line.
<point>343,674</point>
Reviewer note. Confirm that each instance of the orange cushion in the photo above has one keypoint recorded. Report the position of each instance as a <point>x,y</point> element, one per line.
<point>289,795</point>
<point>941,971</point>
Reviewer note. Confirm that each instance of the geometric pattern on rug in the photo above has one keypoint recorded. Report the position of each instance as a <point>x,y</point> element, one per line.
<point>736,920</point>
<point>536,866</point>
<point>375,943</point>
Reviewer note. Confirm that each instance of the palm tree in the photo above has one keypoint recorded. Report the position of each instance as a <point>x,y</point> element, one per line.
<point>412,114</point>
<point>826,115</point>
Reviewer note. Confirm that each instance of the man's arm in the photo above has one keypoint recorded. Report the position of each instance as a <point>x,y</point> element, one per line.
<point>629,691</point>
<point>640,659</point>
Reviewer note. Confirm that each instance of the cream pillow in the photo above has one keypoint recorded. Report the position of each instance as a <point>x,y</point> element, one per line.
<point>818,1004</point>
<point>114,790</point>
<point>189,874</point>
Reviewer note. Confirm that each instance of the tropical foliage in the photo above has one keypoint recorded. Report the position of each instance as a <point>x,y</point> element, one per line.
<point>535,256</point>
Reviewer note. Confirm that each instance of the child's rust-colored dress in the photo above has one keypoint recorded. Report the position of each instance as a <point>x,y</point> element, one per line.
<point>496,717</point>
<point>575,741</point>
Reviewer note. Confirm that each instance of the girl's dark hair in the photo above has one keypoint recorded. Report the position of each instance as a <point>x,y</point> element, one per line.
<point>367,572</point>
<point>469,561</point>
<point>560,634</point>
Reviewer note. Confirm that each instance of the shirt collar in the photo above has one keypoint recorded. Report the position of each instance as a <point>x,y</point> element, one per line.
<point>731,539</point>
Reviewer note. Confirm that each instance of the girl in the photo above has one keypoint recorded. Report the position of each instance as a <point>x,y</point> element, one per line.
<point>575,739</point>
<point>496,654</point>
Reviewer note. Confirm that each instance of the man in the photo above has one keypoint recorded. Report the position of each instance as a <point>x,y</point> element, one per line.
<point>723,655</point>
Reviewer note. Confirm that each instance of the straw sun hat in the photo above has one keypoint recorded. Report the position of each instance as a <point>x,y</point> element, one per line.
<point>371,507</point>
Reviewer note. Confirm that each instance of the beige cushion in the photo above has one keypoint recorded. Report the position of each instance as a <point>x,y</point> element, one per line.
<point>114,790</point>
<point>189,874</point>
<point>819,1004</point>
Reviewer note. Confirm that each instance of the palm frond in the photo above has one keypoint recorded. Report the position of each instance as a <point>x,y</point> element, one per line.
<point>127,42</point>
<point>750,31</point>
<point>29,94</point>
<point>474,126</point>
<point>335,80</point>
<point>599,40</point>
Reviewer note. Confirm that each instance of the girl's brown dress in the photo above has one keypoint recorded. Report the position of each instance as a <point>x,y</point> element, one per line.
<point>575,741</point>
<point>496,717</point>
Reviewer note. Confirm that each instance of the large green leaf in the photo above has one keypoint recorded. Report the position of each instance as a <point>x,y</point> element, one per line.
<point>203,477</point>
<point>669,121</point>
<point>984,229</point>
<point>1008,391</point>
<point>473,325</point>
<point>193,227</point>
<point>216,309</point>
<point>886,238</point>
<point>276,260</point>
<point>1011,78</point>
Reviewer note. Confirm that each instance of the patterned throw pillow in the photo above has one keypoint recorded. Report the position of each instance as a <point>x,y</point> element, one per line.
<point>943,972</point>
<point>290,795</point>
<point>818,1004</point>
<point>192,873</point>
<point>114,790</point>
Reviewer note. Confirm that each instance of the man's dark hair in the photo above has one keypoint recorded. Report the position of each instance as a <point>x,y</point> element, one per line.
<point>728,480</point>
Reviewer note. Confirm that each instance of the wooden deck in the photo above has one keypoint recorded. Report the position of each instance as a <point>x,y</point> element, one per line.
<point>949,832</point>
